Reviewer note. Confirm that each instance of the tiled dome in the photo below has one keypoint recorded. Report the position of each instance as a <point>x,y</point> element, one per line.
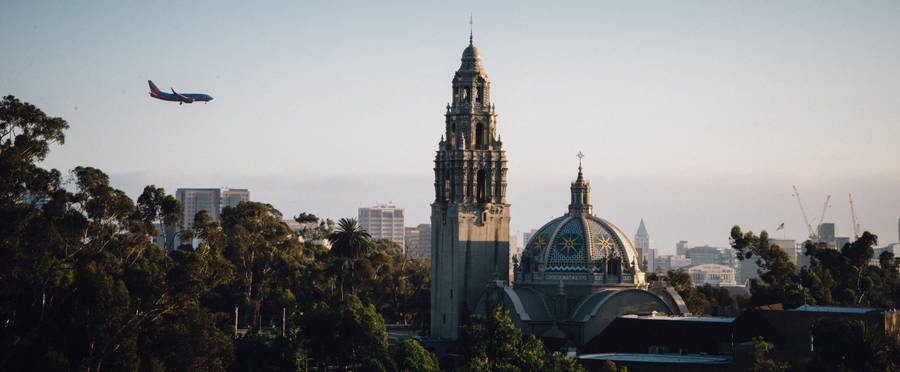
<point>574,242</point>
<point>579,240</point>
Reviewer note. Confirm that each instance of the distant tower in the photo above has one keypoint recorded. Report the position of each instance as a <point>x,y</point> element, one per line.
<point>642,244</point>
<point>469,216</point>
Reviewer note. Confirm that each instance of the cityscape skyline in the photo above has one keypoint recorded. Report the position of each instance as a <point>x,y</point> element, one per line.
<point>692,130</point>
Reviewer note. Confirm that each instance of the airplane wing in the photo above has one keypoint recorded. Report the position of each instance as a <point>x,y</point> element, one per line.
<point>181,96</point>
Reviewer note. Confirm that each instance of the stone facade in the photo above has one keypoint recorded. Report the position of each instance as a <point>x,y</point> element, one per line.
<point>470,216</point>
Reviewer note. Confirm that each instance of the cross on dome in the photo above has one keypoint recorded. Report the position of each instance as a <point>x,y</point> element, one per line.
<point>579,156</point>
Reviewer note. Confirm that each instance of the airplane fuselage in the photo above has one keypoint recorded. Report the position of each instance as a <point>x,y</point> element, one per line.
<point>177,97</point>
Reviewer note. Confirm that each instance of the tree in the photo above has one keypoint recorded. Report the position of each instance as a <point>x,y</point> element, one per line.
<point>493,343</point>
<point>680,280</point>
<point>350,240</point>
<point>26,134</point>
<point>853,345</point>
<point>410,356</point>
<point>845,277</point>
<point>761,359</point>
<point>304,217</point>
<point>778,279</point>
<point>265,254</point>
<point>346,334</point>
<point>154,205</point>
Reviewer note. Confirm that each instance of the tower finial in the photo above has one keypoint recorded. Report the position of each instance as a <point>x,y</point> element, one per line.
<point>579,156</point>
<point>470,29</point>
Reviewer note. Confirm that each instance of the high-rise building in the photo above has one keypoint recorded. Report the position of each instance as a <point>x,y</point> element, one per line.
<point>826,234</point>
<point>383,221</point>
<point>681,247</point>
<point>642,244</point>
<point>411,239</point>
<point>418,241</point>
<point>469,216</point>
<point>212,200</point>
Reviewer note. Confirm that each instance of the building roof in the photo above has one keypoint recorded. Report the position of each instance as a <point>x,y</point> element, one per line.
<point>659,358</point>
<point>642,231</point>
<point>710,268</point>
<point>676,318</point>
<point>836,309</point>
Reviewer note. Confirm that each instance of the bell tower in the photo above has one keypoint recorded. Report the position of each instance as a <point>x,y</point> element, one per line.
<point>469,216</point>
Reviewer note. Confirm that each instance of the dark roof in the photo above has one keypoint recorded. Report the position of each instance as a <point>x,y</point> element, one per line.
<point>659,358</point>
<point>836,309</point>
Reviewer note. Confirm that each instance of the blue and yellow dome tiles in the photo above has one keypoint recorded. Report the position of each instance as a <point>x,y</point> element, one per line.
<point>581,241</point>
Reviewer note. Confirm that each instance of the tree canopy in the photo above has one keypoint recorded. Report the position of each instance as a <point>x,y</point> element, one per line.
<point>83,285</point>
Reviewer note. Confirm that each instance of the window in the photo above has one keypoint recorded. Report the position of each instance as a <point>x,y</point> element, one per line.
<point>481,195</point>
<point>479,136</point>
<point>447,187</point>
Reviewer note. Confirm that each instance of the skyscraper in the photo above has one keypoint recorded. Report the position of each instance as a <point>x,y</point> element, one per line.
<point>642,244</point>
<point>383,221</point>
<point>469,216</point>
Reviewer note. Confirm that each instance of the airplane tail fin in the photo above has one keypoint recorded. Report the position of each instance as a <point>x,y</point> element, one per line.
<point>153,88</point>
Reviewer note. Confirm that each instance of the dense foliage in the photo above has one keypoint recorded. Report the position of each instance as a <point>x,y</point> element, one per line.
<point>761,359</point>
<point>835,277</point>
<point>493,343</point>
<point>84,286</point>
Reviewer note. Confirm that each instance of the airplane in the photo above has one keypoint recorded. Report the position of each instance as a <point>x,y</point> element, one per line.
<point>181,98</point>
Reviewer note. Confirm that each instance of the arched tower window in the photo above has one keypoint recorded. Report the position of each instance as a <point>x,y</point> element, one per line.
<point>481,194</point>
<point>447,187</point>
<point>479,136</point>
<point>480,95</point>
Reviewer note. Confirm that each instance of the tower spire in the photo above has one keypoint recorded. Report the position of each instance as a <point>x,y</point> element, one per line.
<point>470,29</point>
<point>580,175</point>
<point>581,192</point>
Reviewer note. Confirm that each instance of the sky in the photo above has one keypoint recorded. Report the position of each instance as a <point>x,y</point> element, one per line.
<point>693,115</point>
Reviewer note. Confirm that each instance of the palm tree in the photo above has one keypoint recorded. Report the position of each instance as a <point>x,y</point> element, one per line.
<point>351,242</point>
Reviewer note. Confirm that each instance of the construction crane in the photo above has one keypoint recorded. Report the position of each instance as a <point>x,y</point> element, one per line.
<point>822,219</point>
<point>853,218</point>
<point>813,233</point>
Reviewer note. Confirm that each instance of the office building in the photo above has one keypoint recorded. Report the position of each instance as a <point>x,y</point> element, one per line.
<point>383,221</point>
<point>681,247</point>
<point>212,200</point>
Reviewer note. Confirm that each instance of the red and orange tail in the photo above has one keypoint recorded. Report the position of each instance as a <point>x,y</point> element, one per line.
<point>153,88</point>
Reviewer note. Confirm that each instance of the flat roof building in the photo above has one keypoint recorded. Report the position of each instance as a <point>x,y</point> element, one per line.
<point>384,221</point>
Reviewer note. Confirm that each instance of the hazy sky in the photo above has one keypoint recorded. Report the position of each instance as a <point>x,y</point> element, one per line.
<point>693,115</point>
